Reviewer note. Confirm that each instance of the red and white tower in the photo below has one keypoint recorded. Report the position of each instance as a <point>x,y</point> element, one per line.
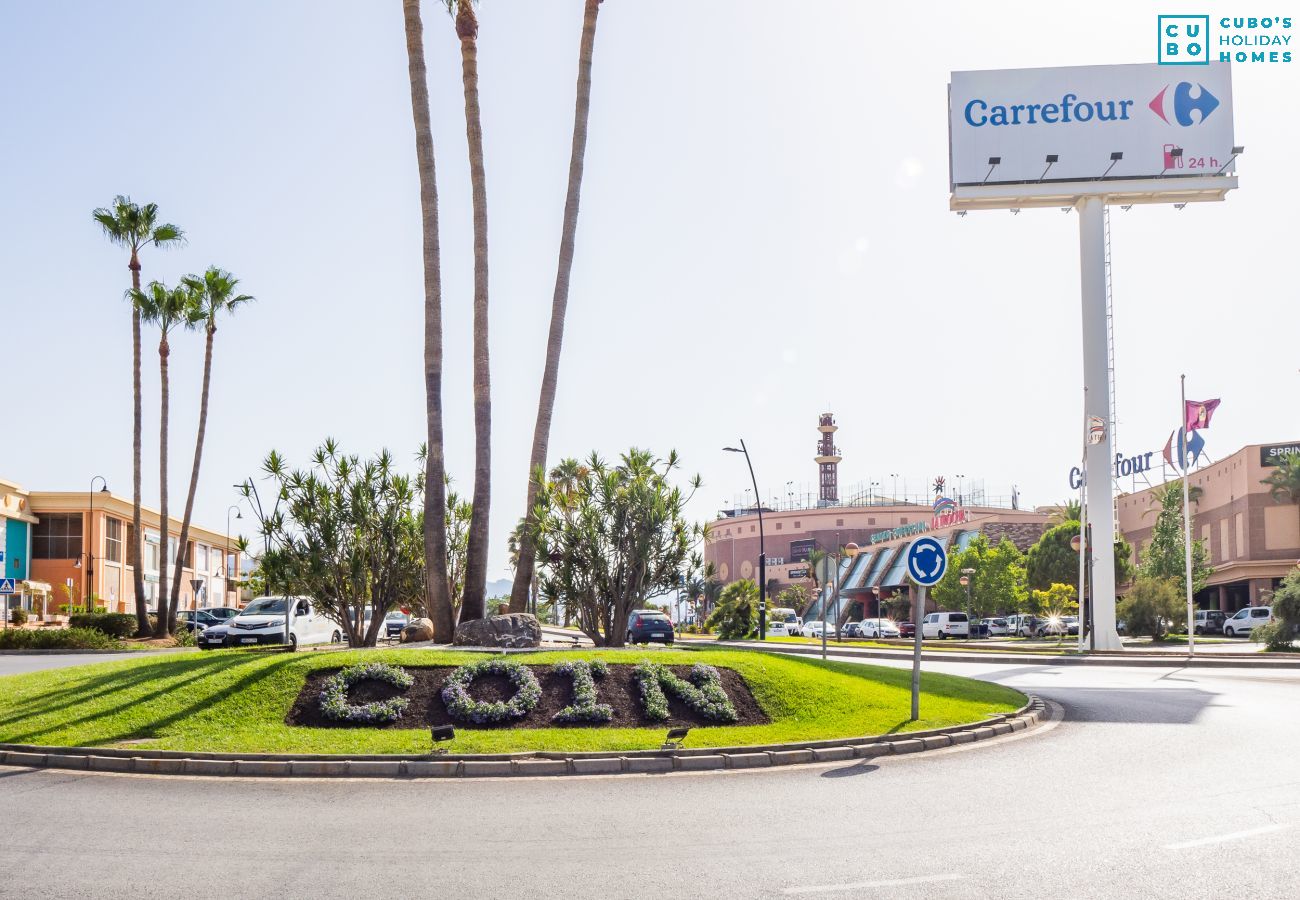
<point>828,460</point>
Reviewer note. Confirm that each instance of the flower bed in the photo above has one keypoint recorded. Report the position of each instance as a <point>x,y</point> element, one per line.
<point>334,697</point>
<point>702,691</point>
<point>460,705</point>
<point>584,707</point>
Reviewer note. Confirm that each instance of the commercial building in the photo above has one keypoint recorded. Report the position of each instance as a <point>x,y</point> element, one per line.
<point>80,543</point>
<point>1252,540</point>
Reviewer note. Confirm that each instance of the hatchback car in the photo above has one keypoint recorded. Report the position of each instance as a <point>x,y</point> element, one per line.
<point>906,629</point>
<point>1247,620</point>
<point>813,629</point>
<point>853,630</point>
<point>649,625</point>
<point>212,638</point>
<point>878,628</point>
<point>186,618</point>
<point>994,627</point>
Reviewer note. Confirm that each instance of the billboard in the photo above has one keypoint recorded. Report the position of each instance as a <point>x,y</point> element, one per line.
<point>1083,116</point>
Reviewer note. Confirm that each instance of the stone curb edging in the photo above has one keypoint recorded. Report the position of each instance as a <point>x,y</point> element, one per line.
<point>161,762</point>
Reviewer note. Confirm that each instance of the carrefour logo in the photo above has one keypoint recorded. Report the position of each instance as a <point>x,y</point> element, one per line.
<point>1182,104</point>
<point>980,112</point>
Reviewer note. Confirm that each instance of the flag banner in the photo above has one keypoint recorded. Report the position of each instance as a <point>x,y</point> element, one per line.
<point>1197,413</point>
<point>1096,429</point>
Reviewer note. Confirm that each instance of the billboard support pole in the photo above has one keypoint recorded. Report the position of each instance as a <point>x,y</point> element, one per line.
<point>1098,458</point>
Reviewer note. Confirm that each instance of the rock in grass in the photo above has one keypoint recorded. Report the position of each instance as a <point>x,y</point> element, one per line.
<point>511,630</point>
<point>417,630</point>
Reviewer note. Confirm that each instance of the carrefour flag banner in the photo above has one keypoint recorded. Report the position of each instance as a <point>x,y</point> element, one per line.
<point>1085,115</point>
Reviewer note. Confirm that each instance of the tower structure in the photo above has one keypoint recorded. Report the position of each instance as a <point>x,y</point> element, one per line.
<point>828,461</point>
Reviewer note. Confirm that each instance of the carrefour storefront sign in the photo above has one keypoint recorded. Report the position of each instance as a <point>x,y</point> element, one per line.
<point>1124,466</point>
<point>1085,123</point>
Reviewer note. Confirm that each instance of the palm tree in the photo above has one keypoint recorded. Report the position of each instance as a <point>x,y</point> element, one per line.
<point>1284,481</point>
<point>472,606</point>
<point>437,592</point>
<point>166,307</point>
<point>213,293</point>
<point>1067,511</point>
<point>135,227</point>
<point>560,299</point>
<point>1172,491</point>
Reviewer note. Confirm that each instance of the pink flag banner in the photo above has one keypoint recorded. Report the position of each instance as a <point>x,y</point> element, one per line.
<point>1197,413</point>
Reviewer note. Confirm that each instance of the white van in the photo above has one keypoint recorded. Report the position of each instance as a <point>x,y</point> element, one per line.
<point>262,622</point>
<point>945,625</point>
<point>782,620</point>
<point>1247,620</point>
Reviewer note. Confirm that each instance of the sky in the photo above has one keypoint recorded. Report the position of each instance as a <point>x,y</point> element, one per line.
<point>764,236</point>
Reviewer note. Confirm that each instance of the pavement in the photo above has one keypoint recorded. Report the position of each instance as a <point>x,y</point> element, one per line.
<point>1153,782</point>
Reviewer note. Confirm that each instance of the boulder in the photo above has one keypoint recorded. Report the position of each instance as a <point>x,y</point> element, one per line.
<point>510,630</point>
<point>417,630</point>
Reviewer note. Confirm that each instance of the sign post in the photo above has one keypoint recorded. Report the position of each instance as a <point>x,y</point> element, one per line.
<point>926,564</point>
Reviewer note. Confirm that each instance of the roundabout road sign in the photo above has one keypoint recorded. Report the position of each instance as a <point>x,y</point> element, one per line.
<point>926,561</point>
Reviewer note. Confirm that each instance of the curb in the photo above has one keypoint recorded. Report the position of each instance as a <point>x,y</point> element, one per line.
<point>267,765</point>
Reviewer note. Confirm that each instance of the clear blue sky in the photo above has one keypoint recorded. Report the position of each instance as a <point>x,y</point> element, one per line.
<point>764,236</point>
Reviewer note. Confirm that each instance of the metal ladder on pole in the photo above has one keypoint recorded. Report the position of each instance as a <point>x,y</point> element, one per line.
<point>1110,358</point>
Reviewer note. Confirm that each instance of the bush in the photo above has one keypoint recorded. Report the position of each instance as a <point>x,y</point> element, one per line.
<point>57,639</point>
<point>18,616</point>
<point>1275,636</point>
<point>118,625</point>
<point>736,615</point>
<point>1150,605</point>
<point>183,636</point>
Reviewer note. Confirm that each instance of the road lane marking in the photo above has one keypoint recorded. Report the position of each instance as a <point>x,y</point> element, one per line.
<point>1224,838</point>
<point>862,885</point>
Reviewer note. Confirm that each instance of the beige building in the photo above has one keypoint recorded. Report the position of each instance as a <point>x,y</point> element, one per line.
<point>1252,540</point>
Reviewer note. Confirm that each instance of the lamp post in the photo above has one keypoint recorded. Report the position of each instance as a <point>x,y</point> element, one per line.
<point>762,547</point>
<point>970,610</point>
<point>90,537</point>
<point>225,552</point>
<point>880,619</point>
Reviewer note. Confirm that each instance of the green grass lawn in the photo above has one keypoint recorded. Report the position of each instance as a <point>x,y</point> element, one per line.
<point>236,700</point>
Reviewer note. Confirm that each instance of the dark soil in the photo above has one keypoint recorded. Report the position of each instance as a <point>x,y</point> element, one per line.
<point>618,689</point>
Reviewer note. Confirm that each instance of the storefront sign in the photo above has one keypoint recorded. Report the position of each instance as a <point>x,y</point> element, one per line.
<point>1274,454</point>
<point>1124,466</point>
<point>946,513</point>
<point>799,550</point>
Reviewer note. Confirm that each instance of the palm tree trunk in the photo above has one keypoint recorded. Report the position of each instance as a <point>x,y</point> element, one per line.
<point>166,613</point>
<point>198,457</point>
<point>559,303</point>
<point>472,606</point>
<point>438,596</point>
<point>137,541</point>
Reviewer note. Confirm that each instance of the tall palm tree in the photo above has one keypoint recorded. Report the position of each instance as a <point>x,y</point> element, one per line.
<point>166,307</point>
<point>1284,481</point>
<point>438,593</point>
<point>135,227</point>
<point>1066,511</point>
<point>213,293</point>
<point>560,299</point>
<point>472,606</point>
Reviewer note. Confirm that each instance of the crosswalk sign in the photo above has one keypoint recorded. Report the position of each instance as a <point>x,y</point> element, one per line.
<point>8,586</point>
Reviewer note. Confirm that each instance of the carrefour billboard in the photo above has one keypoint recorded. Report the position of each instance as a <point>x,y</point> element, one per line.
<point>1072,123</point>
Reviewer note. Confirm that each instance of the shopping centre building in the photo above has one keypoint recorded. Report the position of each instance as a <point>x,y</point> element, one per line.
<point>80,542</point>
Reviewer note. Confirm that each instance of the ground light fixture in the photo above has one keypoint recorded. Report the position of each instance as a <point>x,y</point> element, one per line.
<point>676,737</point>
<point>762,547</point>
<point>441,734</point>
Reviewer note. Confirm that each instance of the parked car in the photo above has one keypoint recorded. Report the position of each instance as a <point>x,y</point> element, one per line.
<point>213,638</point>
<point>994,627</point>
<point>1247,620</point>
<point>1022,625</point>
<point>879,628</point>
<point>185,618</point>
<point>813,628</point>
<point>906,629</point>
<point>646,625</point>
<point>945,625</point>
<point>789,620</point>
<point>222,613</point>
<point>1071,625</point>
<point>853,630</point>
<point>262,622</point>
<point>1209,621</point>
<point>394,622</point>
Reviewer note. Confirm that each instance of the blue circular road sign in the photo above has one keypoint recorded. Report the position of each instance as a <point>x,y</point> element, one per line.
<point>926,561</point>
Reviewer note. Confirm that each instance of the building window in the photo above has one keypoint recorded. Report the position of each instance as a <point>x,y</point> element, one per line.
<point>839,521</point>
<point>130,545</point>
<point>751,529</point>
<point>903,521</point>
<point>113,540</point>
<point>57,537</point>
<point>200,557</point>
<point>151,555</point>
<point>871,521</point>
<point>778,526</point>
<point>796,524</point>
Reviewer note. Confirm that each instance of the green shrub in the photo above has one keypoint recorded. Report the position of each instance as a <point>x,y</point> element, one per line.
<point>57,639</point>
<point>118,625</point>
<point>184,637</point>
<point>1150,605</point>
<point>1276,636</point>
<point>18,616</point>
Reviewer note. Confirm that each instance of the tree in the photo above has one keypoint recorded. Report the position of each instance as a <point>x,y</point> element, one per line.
<point>166,307</point>
<point>476,561</point>
<point>1284,481</point>
<point>1281,632</point>
<point>1052,560</point>
<point>736,615</point>
<point>349,537</point>
<point>1166,555</point>
<point>997,585</point>
<point>795,597</point>
<point>1058,600</point>
<point>613,537</point>
<point>459,514</point>
<point>438,596</point>
<point>214,293</point>
<point>560,297</point>
<point>1066,511</point>
<point>1151,605</point>
<point>135,227</point>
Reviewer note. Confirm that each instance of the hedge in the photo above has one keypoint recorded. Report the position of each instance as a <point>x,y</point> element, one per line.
<point>118,625</point>
<point>56,639</point>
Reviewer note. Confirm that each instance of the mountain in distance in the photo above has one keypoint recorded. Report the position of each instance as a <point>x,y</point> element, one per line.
<point>499,588</point>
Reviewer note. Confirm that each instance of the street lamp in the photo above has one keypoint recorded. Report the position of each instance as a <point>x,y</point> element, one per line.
<point>90,537</point>
<point>970,610</point>
<point>762,547</point>
<point>225,585</point>
<point>850,550</point>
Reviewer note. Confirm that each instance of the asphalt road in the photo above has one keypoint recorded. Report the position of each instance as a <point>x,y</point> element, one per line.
<point>1178,783</point>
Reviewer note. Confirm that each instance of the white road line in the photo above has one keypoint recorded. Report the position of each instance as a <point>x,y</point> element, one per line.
<point>1224,838</point>
<point>860,885</point>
